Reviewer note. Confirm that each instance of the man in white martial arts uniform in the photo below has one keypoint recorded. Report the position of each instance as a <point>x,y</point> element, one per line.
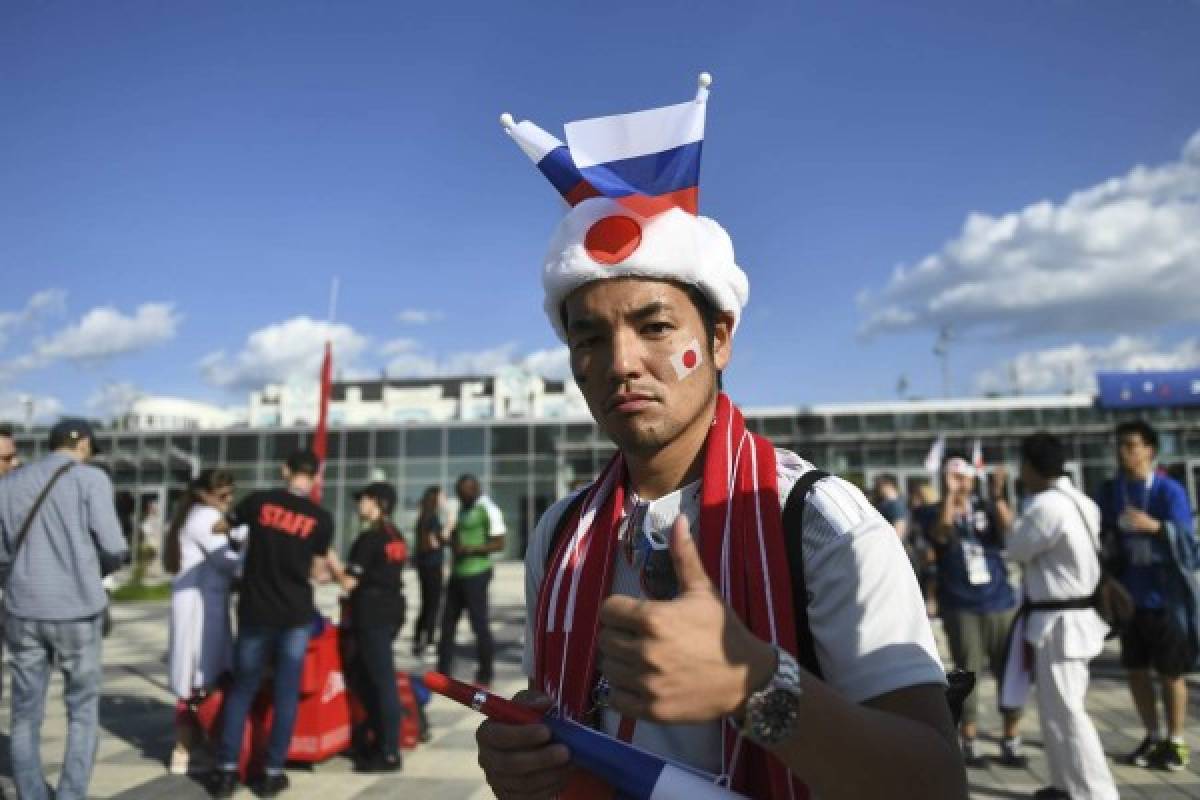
<point>1056,539</point>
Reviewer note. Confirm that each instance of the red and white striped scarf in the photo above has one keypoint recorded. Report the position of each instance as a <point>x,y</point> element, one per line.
<point>741,545</point>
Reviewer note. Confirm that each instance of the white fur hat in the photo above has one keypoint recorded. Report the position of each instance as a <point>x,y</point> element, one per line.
<point>600,238</point>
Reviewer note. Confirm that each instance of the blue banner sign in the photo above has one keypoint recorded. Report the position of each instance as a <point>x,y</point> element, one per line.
<point>1149,389</point>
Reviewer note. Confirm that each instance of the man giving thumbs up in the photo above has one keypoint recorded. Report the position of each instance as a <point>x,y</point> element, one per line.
<point>659,597</point>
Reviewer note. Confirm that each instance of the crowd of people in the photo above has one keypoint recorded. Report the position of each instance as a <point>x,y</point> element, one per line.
<point>242,602</point>
<point>60,535</point>
<point>1139,528</point>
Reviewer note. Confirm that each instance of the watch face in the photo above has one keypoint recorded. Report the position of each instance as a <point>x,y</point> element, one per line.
<point>773,715</point>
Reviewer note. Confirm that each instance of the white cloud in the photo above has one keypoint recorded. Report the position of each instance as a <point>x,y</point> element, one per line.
<point>286,352</point>
<point>1119,255</point>
<point>418,316</point>
<point>45,302</point>
<point>105,332</point>
<point>100,334</point>
<point>14,406</point>
<point>114,400</point>
<point>1073,367</point>
<point>553,362</point>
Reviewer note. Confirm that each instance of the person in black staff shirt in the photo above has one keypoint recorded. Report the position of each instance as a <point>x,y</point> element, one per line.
<point>289,536</point>
<point>372,576</point>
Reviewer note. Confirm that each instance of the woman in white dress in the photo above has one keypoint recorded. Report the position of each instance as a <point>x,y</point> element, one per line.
<point>204,565</point>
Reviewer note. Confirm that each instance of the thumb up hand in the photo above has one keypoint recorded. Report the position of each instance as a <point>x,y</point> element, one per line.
<point>688,659</point>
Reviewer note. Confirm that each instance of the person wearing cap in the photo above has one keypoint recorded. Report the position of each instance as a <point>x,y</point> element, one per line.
<point>287,541</point>
<point>373,577</point>
<point>976,600</point>
<point>659,600</point>
<point>55,600</point>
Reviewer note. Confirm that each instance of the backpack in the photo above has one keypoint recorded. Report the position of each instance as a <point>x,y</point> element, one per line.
<point>959,683</point>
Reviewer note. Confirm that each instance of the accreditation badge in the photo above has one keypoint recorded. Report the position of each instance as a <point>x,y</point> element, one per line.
<point>977,566</point>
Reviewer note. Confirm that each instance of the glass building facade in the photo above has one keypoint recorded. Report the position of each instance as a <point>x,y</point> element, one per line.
<point>526,464</point>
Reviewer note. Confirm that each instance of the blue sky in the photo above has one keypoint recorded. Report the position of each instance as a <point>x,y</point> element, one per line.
<point>181,181</point>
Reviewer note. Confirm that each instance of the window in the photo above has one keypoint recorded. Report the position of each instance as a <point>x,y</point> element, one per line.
<point>208,448</point>
<point>423,443</point>
<point>510,467</point>
<point>545,438</point>
<point>281,445</point>
<point>242,448</point>
<point>847,423</point>
<point>358,445</point>
<point>580,433</point>
<point>387,445</point>
<point>1022,418</point>
<point>985,419</point>
<point>881,456</point>
<point>880,423</point>
<point>465,441</point>
<point>1056,417</point>
<point>810,426</point>
<point>777,427</point>
<point>510,440</point>
<point>951,421</point>
<point>466,466</point>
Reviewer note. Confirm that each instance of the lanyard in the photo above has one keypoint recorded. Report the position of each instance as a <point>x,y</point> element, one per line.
<point>1125,498</point>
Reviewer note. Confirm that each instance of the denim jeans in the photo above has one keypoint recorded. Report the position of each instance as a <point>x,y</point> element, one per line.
<point>36,647</point>
<point>256,644</point>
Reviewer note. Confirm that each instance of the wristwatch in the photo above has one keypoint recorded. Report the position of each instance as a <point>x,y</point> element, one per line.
<point>772,712</point>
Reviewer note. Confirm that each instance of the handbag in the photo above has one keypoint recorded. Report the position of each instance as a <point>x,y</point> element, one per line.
<point>1111,600</point>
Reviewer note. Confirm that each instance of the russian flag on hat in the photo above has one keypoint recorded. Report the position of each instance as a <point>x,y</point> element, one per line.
<point>632,183</point>
<point>552,159</point>
<point>649,161</point>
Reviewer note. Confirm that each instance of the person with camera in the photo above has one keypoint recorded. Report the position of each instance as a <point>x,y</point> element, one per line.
<point>974,597</point>
<point>59,536</point>
<point>372,575</point>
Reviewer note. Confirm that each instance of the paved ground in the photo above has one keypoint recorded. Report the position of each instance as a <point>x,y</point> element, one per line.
<point>136,713</point>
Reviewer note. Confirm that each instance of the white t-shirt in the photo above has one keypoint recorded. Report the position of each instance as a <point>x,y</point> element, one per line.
<point>865,610</point>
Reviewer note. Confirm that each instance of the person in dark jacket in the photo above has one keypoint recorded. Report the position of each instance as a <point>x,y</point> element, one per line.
<point>372,576</point>
<point>431,556</point>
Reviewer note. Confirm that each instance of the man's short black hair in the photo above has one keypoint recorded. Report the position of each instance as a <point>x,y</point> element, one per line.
<point>1045,453</point>
<point>6,430</point>
<point>887,479</point>
<point>304,462</point>
<point>466,476</point>
<point>1143,429</point>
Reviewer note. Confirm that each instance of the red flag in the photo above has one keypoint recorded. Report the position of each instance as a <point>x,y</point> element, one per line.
<point>320,439</point>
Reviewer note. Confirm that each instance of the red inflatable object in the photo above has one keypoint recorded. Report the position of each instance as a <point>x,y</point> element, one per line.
<point>325,714</point>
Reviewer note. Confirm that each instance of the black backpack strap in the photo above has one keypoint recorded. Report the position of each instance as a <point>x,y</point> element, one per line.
<point>561,524</point>
<point>793,537</point>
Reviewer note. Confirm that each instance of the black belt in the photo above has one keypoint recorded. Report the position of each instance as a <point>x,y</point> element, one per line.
<point>1070,604</point>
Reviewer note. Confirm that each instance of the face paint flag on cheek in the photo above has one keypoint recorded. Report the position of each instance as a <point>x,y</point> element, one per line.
<point>688,359</point>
